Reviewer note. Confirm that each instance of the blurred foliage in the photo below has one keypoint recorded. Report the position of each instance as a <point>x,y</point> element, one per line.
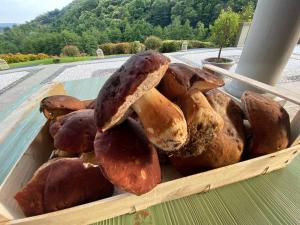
<point>89,23</point>
<point>153,42</point>
<point>70,50</point>
<point>225,28</point>
<point>15,58</point>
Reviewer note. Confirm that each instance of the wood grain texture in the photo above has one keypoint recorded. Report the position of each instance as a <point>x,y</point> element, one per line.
<point>174,189</point>
<point>272,199</point>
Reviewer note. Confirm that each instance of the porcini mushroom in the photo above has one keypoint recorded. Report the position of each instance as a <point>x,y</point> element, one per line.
<point>127,158</point>
<point>63,183</point>
<point>270,124</point>
<point>90,104</point>
<point>133,85</point>
<point>57,105</point>
<point>74,132</point>
<point>202,121</point>
<point>180,77</point>
<point>227,146</point>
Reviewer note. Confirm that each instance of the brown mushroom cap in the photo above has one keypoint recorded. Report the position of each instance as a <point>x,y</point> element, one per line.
<point>63,183</point>
<point>180,77</point>
<point>74,132</point>
<point>90,104</point>
<point>127,158</point>
<point>58,105</point>
<point>269,122</point>
<point>227,147</point>
<point>202,121</point>
<point>139,74</point>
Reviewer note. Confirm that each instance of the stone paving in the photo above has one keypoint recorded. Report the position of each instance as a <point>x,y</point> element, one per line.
<point>15,82</point>
<point>9,78</point>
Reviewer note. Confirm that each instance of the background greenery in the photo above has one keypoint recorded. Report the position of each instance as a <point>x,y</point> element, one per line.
<point>89,23</point>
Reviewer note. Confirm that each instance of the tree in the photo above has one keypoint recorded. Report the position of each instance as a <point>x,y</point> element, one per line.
<point>186,31</point>
<point>160,13</point>
<point>224,29</point>
<point>158,31</point>
<point>89,43</point>
<point>247,13</point>
<point>173,31</point>
<point>70,38</point>
<point>201,31</point>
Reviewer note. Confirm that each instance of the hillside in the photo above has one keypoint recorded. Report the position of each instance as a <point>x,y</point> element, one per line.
<point>87,23</point>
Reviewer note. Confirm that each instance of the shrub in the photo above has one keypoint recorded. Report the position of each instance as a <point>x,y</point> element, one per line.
<point>208,44</point>
<point>153,42</point>
<point>18,57</point>
<point>42,56</point>
<point>122,48</point>
<point>32,57</point>
<point>199,44</point>
<point>143,47</point>
<point>170,46</point>
<point>70,50</point>
<point>136,47</point>
<point>107,48</point>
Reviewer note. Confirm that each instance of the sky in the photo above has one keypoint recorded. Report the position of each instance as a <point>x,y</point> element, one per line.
<point>20,11</point>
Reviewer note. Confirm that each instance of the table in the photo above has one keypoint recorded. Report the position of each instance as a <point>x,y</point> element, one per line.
<point>268,199</point>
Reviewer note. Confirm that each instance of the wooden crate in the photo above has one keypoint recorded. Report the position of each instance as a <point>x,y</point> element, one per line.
<point>172,187</point>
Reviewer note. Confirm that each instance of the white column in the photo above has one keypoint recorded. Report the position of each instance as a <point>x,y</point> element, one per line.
<point>274,32</point>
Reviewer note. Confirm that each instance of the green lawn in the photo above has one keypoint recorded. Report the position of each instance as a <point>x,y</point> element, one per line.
<point>50,61</point>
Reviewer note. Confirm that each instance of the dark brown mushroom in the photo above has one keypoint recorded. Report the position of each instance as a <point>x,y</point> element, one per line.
<point>63,183</point>
<point>227,146</point>
<point>90,104</point>
<point>57,105</point>
<point>180,77</point>
<point>270,124</point>
<point>127,158</point>
<point>133,85</point>
<point>74,132</point>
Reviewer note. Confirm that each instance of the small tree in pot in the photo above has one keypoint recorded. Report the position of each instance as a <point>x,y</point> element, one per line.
<point>223,33</point>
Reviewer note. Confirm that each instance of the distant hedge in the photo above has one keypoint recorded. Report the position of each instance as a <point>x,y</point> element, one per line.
<point>122,48</point>
<point>15,58</point>
<point>175,45</point>
<point>135,47</point>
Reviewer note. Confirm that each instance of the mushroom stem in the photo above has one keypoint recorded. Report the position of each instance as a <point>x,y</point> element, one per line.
<point>163,121</point>
<point>202,121</point>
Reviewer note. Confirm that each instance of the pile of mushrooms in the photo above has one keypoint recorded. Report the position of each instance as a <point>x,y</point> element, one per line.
<point>148,109</point>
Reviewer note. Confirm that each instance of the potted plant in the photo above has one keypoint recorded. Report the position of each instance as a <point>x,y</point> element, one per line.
<point>223,34</point>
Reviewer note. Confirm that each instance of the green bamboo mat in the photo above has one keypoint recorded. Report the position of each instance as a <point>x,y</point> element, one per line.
<point>269,199</point>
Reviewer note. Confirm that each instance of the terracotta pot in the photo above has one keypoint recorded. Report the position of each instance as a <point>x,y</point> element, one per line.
<point>225,65</point>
